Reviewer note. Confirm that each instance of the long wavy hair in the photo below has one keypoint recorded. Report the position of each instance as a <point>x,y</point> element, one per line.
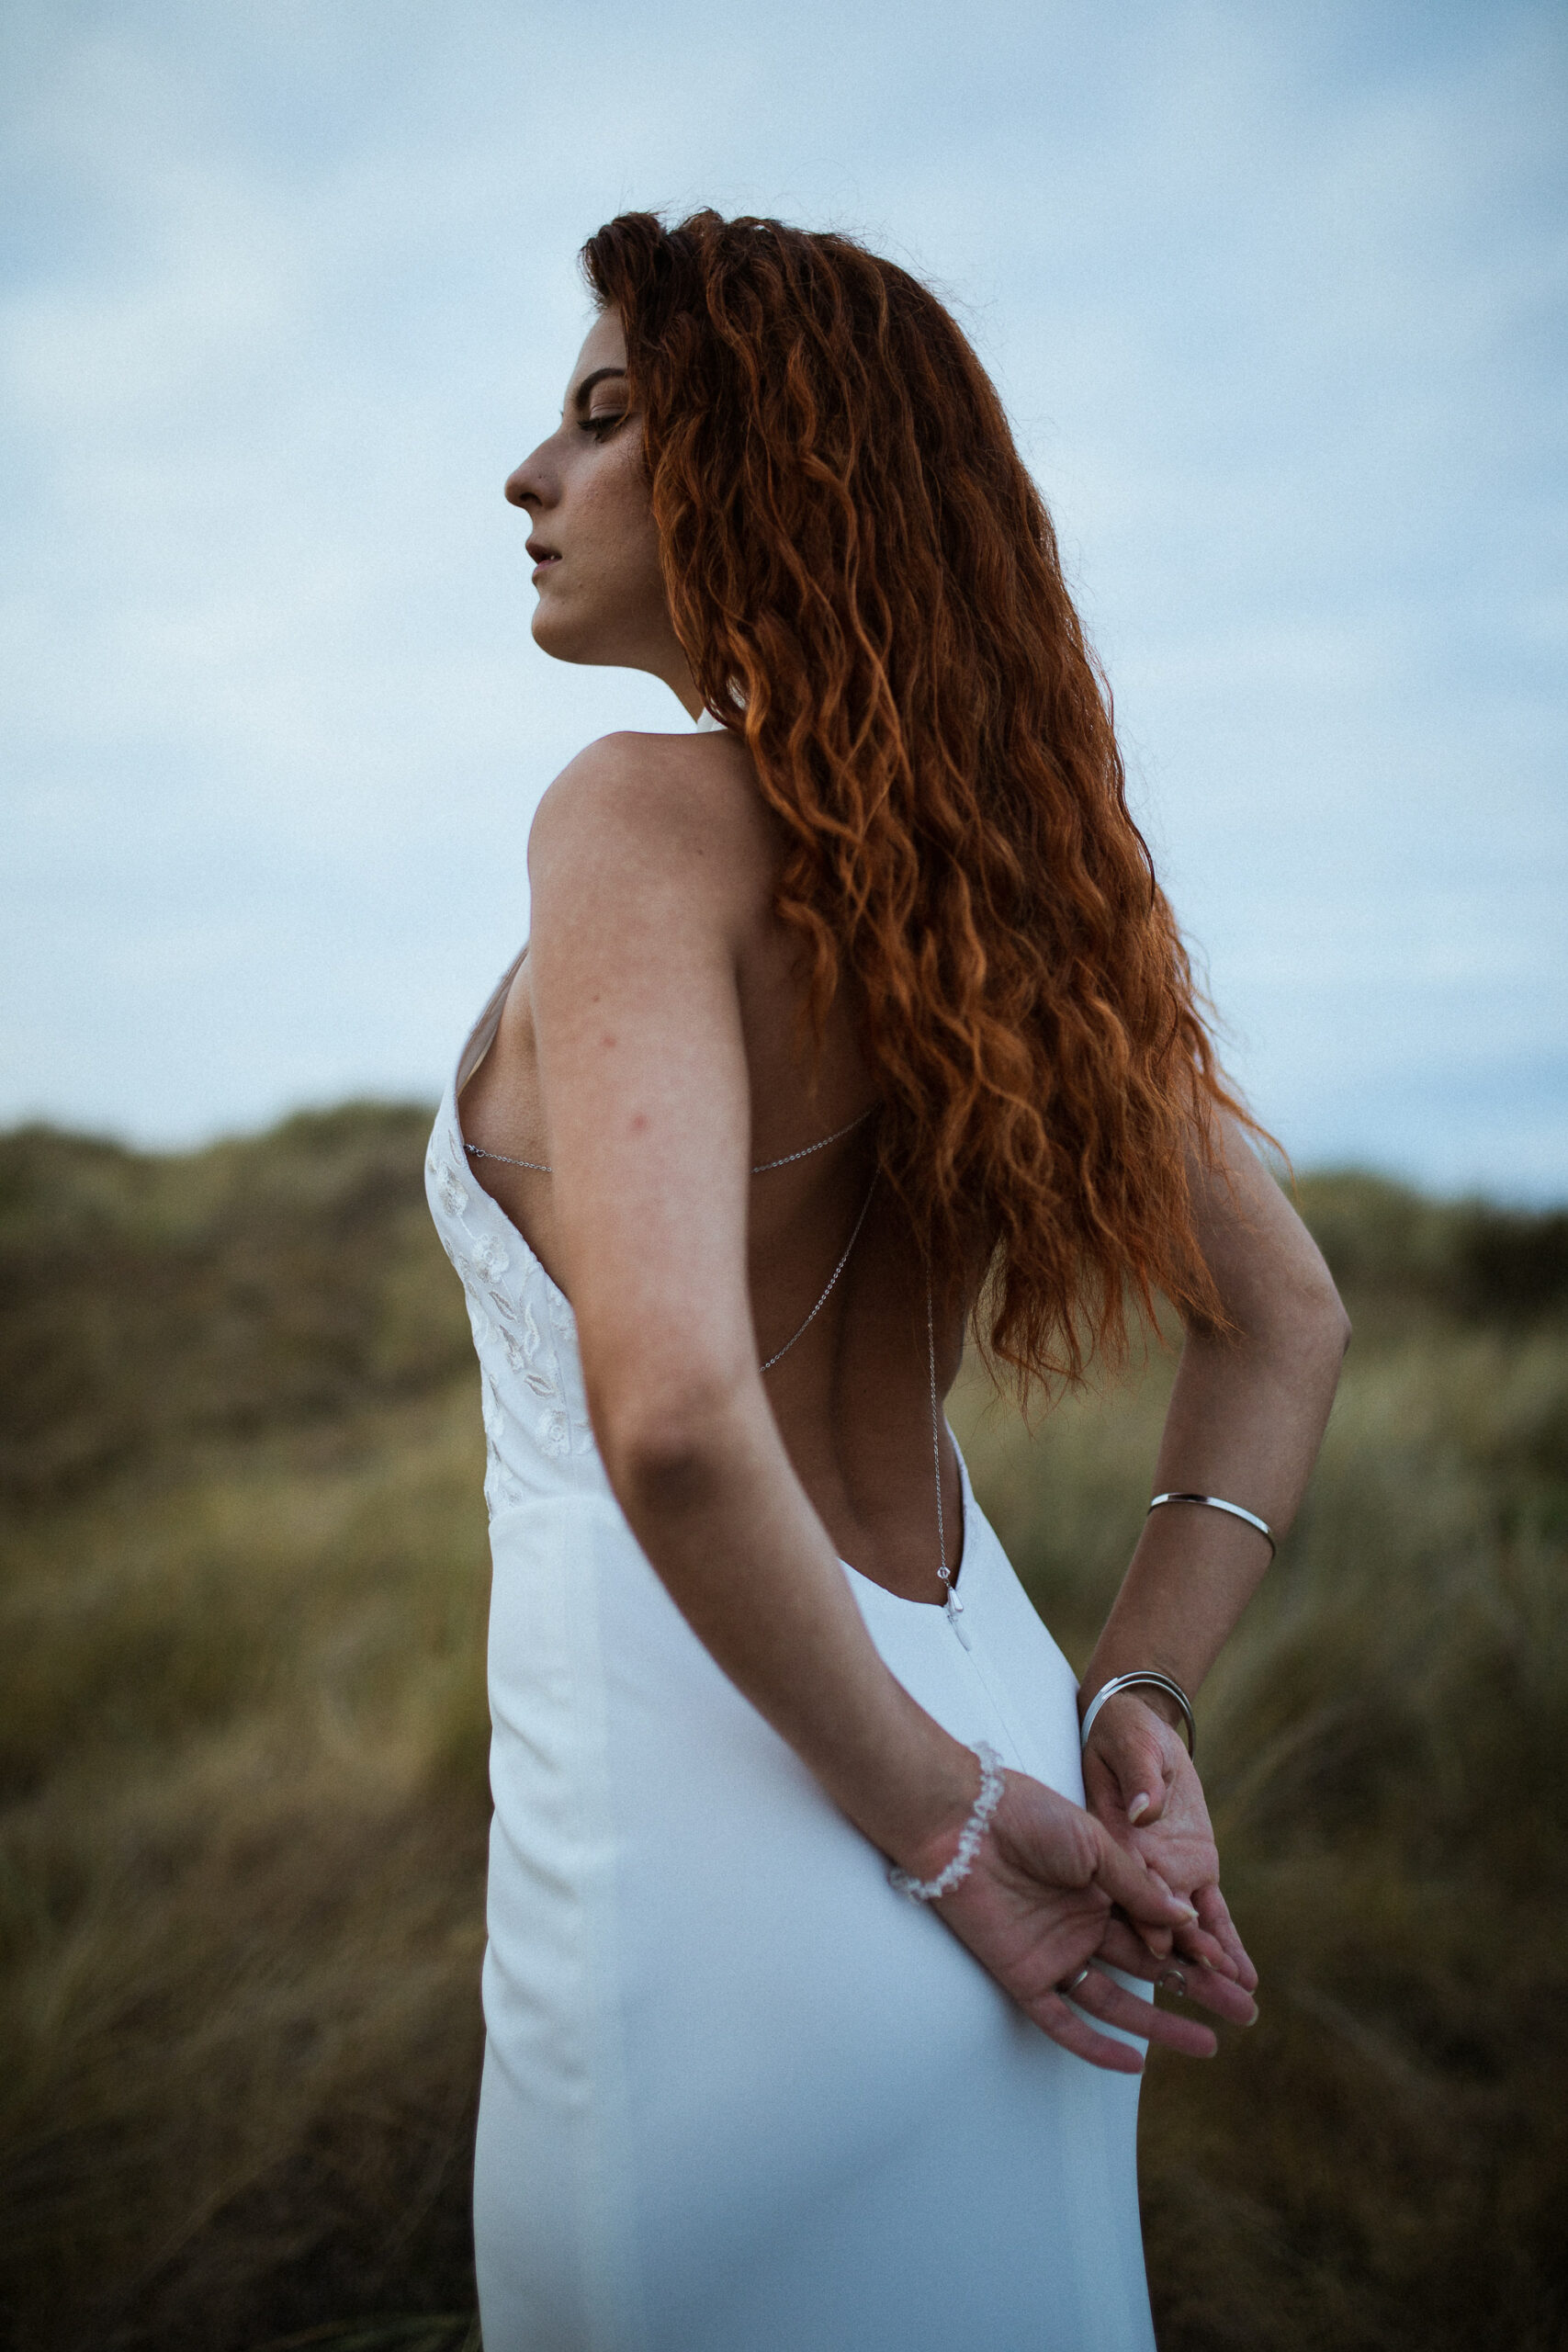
<point>867,585</point>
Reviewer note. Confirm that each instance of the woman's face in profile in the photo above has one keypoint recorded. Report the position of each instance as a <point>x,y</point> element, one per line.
<point>595,551</point>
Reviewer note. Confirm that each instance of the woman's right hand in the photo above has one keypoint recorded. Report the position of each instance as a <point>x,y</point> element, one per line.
<point>1035,1907</point>
<point>1140,1781</point>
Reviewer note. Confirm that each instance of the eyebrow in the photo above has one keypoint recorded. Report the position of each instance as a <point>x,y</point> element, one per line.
<point>580,396</point>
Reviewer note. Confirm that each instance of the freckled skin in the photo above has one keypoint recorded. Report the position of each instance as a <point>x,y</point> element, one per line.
<point>652,860</point>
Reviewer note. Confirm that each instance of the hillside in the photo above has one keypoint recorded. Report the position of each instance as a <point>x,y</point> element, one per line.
<point>242,1772</point>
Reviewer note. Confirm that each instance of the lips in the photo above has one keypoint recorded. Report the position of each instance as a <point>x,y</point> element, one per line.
<point>543,556</point>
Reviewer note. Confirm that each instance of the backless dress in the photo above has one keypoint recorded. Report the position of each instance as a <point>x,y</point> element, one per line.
<point>738,2095</point>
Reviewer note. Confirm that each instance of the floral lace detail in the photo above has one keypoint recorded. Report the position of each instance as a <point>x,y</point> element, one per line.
<point>533,1372</point>
<point>450,1187</point>
<point>500,1486</point>
<point>516,1314</point>
<point>491,1257</point>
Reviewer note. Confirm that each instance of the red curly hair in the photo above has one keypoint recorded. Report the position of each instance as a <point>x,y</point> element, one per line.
<point>850,540</point>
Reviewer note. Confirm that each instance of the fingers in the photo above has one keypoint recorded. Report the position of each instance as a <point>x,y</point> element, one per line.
<point>1214,1920</point>
<point>1221,1995</point>
<point>1194,1942</point>
<point>1113,2005</point>
<point>1139,1892</point>
<point>1141,1777</point>
<point>1201,1986</point>
<point>1124,1765</point>
<point>1122,1947</point>
<point>1204,1987</point>
<point>1159,1941</point>
<point>1062,2021</point>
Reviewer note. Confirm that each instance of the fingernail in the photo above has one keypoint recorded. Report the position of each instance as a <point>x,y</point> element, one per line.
<point>1187,1911</point>
<point>1139,1805</point>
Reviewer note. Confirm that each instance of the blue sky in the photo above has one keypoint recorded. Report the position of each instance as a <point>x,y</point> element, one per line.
<point>1275,294</point>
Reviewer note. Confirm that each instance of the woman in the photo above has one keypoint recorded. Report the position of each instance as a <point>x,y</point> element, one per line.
<point>849,1019</point>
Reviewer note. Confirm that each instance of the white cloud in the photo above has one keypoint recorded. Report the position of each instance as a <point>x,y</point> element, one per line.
<point>1276,301</point>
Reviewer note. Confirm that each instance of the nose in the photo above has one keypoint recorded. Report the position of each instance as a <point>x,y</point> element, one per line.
<point>527,482</point>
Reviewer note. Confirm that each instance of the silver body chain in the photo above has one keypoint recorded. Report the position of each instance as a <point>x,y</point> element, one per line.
<point>764,1168</point>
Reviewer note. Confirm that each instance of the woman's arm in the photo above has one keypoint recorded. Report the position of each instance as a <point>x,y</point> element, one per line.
<point>1245,1421</point>
<point>650,873</point>
<point>1247,1417</point>
<point>645,882</point>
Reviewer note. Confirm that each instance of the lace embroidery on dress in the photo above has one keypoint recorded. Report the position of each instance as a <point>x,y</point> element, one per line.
<point>504,1299</point>
<point>501,1487</point>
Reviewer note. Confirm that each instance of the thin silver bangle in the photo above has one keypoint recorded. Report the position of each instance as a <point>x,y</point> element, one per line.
<point>1147,1679</point>
<point>1215,1502</point>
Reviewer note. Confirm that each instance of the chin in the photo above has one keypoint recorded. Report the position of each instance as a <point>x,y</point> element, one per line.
<point>568,638</point>
<point>554,634</point>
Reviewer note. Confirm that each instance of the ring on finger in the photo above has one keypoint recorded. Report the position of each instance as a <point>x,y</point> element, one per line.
<point>1072,1982</point>
<point>1173,1979</point>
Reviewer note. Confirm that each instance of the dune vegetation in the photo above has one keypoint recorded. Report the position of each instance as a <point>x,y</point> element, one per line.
<point>243,1803</point>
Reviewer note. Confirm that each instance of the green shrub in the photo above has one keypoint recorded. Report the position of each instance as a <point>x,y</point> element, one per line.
<point>148,1303</point>
<point>242,1773</point>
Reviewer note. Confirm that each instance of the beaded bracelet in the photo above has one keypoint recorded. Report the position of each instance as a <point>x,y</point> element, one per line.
<point>931,1890</point>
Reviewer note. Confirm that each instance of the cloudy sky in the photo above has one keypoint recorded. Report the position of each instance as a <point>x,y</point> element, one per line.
<point>1275,294</point>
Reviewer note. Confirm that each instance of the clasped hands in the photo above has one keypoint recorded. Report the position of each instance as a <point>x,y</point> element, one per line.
<point>1131,1883</point>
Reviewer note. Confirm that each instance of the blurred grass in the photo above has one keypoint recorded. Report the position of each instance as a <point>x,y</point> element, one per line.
<point>242,1772</point>
<point>1383,2161</point>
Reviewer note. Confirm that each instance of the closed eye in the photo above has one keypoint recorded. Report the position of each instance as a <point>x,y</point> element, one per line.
<point>602,427</point>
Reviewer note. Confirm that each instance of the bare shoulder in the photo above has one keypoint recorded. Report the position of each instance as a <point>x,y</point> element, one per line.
<point>671,811</point>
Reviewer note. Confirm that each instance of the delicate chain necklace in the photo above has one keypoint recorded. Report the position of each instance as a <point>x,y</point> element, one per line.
<point>950,1602</point>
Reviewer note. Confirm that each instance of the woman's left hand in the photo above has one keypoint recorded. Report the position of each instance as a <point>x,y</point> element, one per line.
<point>1143,1787</point>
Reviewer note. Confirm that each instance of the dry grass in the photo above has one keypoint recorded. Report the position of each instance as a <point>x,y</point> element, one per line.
<point>242,1813</point>
<point>239,1908</point>
<point>1382,2162</point>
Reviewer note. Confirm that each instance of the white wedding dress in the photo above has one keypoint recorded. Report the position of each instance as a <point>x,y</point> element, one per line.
<point>740,2096</point>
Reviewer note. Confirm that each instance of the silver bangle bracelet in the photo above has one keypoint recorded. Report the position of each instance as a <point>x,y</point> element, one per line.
<point>931,1890</point>
<point>1216,1502</point>
<point>1147,1679</point>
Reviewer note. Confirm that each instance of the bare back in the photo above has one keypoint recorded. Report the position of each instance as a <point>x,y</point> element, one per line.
<point>851,1398</point>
